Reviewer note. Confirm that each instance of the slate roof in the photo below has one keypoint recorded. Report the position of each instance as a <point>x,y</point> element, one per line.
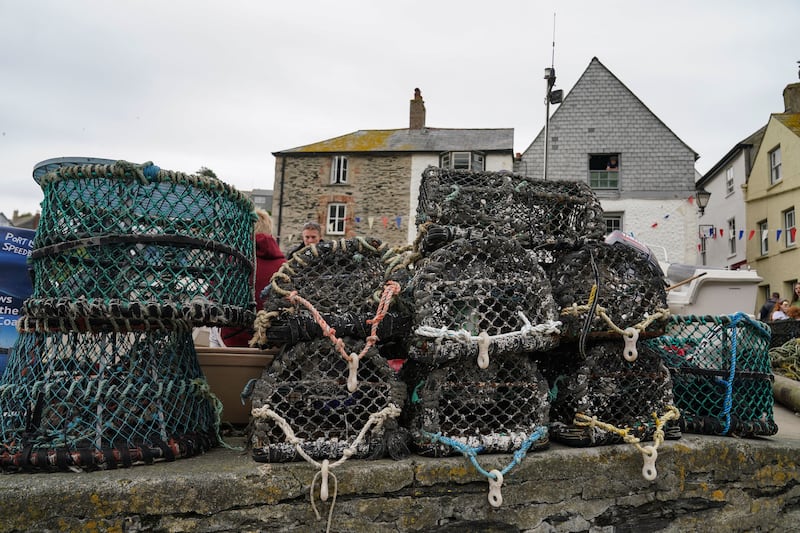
<point>413,140</point>
<point>752,141</point>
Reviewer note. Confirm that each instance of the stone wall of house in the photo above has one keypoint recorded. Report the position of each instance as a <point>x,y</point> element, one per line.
<point>709,484</point>
<point>376,196</point>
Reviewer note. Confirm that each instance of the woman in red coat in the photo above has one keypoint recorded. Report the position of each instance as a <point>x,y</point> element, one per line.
<point>269,259</point>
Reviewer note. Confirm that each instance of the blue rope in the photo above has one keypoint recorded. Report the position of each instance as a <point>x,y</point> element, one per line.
<point>150,171</point>
<point>728,402</point>
<point>471,453</point>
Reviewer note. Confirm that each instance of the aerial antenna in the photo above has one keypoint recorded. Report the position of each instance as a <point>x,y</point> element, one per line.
<point>550,96</point>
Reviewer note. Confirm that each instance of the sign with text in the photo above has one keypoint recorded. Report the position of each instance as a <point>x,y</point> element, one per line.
<point>15,282</point>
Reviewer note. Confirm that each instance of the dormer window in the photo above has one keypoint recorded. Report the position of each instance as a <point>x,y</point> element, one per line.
<point>462,160</point>
<point>339,170</point>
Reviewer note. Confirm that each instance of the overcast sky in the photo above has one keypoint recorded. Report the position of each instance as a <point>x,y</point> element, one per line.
<point>188,84</point>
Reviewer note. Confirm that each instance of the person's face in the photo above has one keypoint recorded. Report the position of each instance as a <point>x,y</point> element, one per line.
<point>310,236</point>
<point>797,289</point>
<point>784,305</point>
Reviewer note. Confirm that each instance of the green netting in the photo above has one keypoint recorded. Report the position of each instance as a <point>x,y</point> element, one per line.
<point>100,400</point>
<point>120,238</point>
<point>721,373</point>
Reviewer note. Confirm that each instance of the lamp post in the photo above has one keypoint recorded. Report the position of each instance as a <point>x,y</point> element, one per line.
<point>702,196</point>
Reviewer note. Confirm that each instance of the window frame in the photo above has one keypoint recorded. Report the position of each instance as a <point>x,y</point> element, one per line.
<point>703,249</point>
<point>339,167</point>
<point>732,236</point>
<point>610,218</point>
<point>775,174</point>
<point>475,161</point>
<point>335,222</point>
<point>601,179</point>
<point>763,235</point>
<point>729,182</point>
<point>787,228</point>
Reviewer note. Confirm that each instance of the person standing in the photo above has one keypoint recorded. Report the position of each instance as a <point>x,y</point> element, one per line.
<point>311,234</point>
<point>796,295</point>
<point>269,259</point>
<point>766,310</point>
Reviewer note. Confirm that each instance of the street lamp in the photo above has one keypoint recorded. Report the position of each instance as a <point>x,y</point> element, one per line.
<point>702,197</point>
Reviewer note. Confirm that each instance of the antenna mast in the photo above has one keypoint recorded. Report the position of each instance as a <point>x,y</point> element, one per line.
<point>550,95</point>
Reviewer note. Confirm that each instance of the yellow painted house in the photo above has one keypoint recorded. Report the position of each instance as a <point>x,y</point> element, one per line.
<point>772,198</point>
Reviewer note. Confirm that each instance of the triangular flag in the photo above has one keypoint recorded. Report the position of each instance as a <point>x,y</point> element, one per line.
<point>370,221</point>
<point>720,232</point>
<point>793,233</point>
<point>666,216</point>
<point>764,235</point>
<point>741,234</point>
<point>385,221</point>
<point>711,232</point>
<point>778,234</point>
<point>398,221</point>
<point>750,236</point>
<point>681,210</point>
<point>699,247</point>
<point>654,225</point>
<point>690,200</point>
<point>358,220</point>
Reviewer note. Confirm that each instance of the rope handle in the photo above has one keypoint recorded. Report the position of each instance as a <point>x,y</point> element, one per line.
<point>484,340</point>
<point>649,453</point>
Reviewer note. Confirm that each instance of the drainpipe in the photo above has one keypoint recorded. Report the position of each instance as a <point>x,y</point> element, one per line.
<point>280,200</point>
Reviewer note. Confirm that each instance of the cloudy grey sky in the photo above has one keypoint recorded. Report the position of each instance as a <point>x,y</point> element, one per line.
<point>223,84</point>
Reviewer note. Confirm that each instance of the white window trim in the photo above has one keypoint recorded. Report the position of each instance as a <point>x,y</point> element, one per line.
<point>775,166</point>
<point>731,237</point>
<point>336,221</point>
<point>788,228</point>
<point>729,185</point>
<point>339,170</point>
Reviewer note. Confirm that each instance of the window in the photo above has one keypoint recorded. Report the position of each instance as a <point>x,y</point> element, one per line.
<point>336,219</point>
<point>732,236</point>
<point>613,222</point>
<point>703,240</point>
<point>764,235</point>
<point>462,160</point>
<point>729,181</point>
<point>775,165</point>
<point>339,170</point>
<point>604,171</point>
<point>788,226</point>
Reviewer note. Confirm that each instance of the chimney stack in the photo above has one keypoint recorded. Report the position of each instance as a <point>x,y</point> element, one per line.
<point>416,119</point>
<point>791,98</point>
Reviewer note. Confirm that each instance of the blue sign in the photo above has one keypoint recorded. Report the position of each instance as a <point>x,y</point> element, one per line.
<point>15,283</point>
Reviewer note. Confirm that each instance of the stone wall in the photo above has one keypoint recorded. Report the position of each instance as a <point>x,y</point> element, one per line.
<point>709,484</point>
<point>376,194</point>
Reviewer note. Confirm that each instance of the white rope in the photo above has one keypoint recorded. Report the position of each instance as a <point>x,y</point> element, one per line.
<point>484,340</point>
<point>325,467</point>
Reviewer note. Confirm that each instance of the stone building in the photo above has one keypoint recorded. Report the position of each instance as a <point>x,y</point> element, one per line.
<point>647,192</point>
<point>367,182</point>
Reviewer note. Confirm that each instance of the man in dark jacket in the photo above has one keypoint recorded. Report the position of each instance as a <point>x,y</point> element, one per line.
<point>766,309</point>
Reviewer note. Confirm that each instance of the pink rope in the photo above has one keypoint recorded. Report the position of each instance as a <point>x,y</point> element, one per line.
<point>389,291</point>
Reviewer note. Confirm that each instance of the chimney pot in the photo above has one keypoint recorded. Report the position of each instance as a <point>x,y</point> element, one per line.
<point>416,120</point>
<point>791,98</point>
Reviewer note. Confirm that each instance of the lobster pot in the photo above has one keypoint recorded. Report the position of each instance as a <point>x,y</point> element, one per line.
<point>782,331</point>
<point>605,385</point>
<point>306,386</point>
<point>343,280</point>
<point>622,283</point>
<point>721,374</point>
<point>486,286</point>
<point>540,213</point>
<point>494,409</point>
<point>103,400</point>
<point>121,237</point>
